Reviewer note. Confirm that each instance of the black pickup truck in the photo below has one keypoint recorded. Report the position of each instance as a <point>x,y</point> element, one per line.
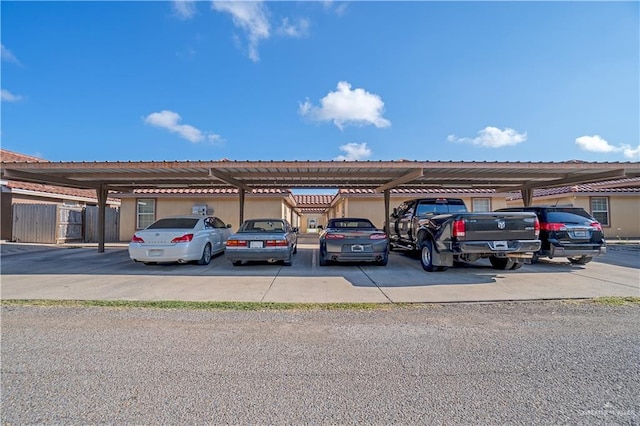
<point>444,231</point>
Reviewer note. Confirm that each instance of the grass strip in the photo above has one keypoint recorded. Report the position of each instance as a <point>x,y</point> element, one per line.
<point>262,306</point>
<point>616,301</point>
<point>175,304</point>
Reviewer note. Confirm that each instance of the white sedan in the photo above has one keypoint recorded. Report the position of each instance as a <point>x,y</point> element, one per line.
<point>180,239</point>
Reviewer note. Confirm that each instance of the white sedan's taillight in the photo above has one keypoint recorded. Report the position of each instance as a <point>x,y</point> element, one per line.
<point>184,239</point>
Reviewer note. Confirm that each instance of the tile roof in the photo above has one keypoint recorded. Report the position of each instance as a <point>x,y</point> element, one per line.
<point>313,200</point>
<point>205,191</point>
<point>418,191</point>
<point>14,156</point>
<point>612,186</point>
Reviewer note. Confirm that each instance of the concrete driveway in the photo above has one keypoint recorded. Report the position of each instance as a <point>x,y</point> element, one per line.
<point>81,273</point>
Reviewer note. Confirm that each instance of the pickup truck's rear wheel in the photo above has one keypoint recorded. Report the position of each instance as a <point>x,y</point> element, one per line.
<point>580,260</point>
<point>516,265</point>
<point>501,262</point>
<point>426,256</point>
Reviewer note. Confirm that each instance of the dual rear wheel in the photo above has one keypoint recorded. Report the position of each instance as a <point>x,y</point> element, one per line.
<point>505,263</point>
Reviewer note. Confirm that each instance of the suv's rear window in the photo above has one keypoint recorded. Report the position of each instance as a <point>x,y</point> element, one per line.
<point>568,216</point>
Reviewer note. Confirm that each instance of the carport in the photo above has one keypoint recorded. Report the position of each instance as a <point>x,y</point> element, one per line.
<point>381,176</point>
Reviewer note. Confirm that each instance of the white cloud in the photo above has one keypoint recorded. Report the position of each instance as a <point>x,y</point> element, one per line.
<point>251,17</point>
<point>299,29</point>
<point>338,8</point>
<point>7,55</point>
<point>492,137</point>
<point>347,107</point>
<point>596,143</point>
<point>184,9</point>
<point>354,151</point>
<point>169,120</point>
<point>7,96</point>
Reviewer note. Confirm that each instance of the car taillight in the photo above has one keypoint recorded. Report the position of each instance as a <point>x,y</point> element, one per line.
<point>459,228</point>
<point>552,226</point>
<point>184,239</point>
<point>596,225</point>
<point>236,243</point>
<point>378,236</point>
<point>536,227</point>
<point>334,236</point>
<point>136,239</point>
<point>277,243</point>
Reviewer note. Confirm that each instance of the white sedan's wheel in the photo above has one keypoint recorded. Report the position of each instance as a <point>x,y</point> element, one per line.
<point>206,255</point>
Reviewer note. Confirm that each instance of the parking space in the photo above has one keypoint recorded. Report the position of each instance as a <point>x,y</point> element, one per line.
<point>43,272</point>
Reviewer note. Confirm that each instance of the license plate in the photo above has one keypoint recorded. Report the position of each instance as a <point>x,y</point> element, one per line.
<point>580,233</point>
<point>500,245</point>
<point>357,248</point>
<point>255,244</point>
<point>155,252</point>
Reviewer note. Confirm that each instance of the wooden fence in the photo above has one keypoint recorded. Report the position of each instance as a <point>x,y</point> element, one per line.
<point>57,224</point>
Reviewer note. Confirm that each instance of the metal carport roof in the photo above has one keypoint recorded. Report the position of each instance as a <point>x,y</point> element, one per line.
<point>378,175</point>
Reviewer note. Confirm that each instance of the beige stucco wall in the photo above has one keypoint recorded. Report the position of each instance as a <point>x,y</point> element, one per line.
<point>625,218</point>
<point>226,208</point>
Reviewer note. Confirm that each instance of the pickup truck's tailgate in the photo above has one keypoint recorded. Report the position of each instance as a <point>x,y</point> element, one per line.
<point>500,226</point>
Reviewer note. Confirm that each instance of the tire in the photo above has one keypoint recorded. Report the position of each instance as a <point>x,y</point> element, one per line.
<point>501,262</point>
<point>149,263</point>
<point>322,261</point>
<point>426,256</point>
<point>535,258</point>
<point>236,262</point>
<point>206,255</point>
<point>288,262</point>
<point>580,260</point>
<point>384,261</point>
<point>516,265</point>
<point>295,249</point>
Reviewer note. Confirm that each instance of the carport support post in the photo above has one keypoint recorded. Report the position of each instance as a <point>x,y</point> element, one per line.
<point>527,196</point>
<point>241,193</point>
<point>385,224</point>
<point>102,193</point>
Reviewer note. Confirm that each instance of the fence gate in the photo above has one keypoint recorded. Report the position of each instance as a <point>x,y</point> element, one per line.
<point>69,224</point>
<point>111,229</point>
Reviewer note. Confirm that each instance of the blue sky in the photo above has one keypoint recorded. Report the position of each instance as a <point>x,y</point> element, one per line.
<point>459,81</point>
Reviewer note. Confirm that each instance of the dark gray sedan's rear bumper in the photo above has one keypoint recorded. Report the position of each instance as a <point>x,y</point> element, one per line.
<point>355,251</point>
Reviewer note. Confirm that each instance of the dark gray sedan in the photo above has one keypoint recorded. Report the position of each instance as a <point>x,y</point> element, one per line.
<point>353,240</point>
<point>270,240</point>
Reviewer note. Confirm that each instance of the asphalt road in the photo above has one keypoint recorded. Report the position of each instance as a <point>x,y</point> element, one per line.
<point>508,363</point>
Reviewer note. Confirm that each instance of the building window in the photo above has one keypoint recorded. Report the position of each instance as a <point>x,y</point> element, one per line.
<point>600,210</point>
<point>145,213</point>
<point>481,204</point>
